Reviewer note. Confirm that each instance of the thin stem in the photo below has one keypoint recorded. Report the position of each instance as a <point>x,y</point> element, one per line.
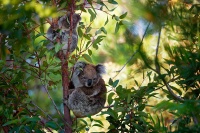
<point>45,114</point>
<point>159,73</point>
<point>134,52</point>
<point>157,47</point>
<point>54,103</point>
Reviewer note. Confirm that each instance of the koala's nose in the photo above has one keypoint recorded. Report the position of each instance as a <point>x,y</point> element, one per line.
<point>89,83</point>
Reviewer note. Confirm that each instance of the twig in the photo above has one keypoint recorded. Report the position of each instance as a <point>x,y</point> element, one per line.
<point>195,120</point>
<point>159,73</point>
<point>110,106</point>
<point>170,90</point>
<point>134,52</point>
<point>54,103</point>
<point>46,114</point>
<point>157,47</point>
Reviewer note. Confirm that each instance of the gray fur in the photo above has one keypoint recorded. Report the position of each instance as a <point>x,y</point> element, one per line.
<point>87,100</point>
<point>101,69</point>
<point>62,32</point>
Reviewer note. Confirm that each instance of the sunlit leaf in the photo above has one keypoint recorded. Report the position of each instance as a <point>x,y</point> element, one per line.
<point>89,52</point>
<point>116,27</point>
<point>112,2</point>
<point>110,99</point>
<point>80,32</point>
<point>92,15</point>
<point>106,21</point>
<point>87,57</point>
<point>123,15</point>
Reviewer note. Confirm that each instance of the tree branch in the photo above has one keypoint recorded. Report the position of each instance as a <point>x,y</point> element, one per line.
<point>159,73</point>
<point>45,114</point>
<point>134,52</point>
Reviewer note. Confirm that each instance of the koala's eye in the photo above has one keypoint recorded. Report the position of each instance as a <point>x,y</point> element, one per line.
<point>94,78</point>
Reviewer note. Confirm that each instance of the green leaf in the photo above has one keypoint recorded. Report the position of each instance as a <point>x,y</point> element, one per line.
<point>98,40</point>
<point>92,15</point>
<point>98,32</point>
<point>136,82</point>
<point>111,113</point>
<point>112,2</point>
<point>110,82</point>
<point>55,77</point>
<point>32,119</point>
<point>141,107</point>
<point>110,99</point>
<point>104,30</point>
<point>52,125</point>
<point>123,15</point>
<point>95,46</point>
<point>58,47</point>
<point>97,125</point>
<point>85,122</point>
<point>89,52</point>
<point>116,18</point>
<point>88,29</point>
<point>39,34</point>
<point>177,90</point>
<point>117,27</point>
<point>87,36</point>
<point>106,21</point>
<point>141,113</point>
<point>126,23</point>
<point>99,122</point>
<point>119,90</point>
<point>115,83</point>
<point>12,122</point>
<point>128,98</point>
<point>87,57</point>
<point>80,32</point>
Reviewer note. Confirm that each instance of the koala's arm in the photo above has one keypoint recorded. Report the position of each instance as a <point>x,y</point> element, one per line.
<point>100,89</point>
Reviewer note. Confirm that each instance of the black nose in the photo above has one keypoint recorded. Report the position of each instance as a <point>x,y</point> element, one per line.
<point>89,82</point>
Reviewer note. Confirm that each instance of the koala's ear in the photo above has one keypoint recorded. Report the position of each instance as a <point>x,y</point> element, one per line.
<point>100,69</point>
<point>78,67</point>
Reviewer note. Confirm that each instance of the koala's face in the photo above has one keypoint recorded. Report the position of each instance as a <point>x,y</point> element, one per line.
<point>89,74</point>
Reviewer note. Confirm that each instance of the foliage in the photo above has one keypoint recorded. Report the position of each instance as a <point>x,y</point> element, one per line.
<point>165,97</point>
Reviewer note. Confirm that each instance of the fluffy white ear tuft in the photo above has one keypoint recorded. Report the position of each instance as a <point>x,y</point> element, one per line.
<point>100,69</point>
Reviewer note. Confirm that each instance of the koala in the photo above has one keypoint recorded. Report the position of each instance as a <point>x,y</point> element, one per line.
<point>61,31</point>
<point>52,35</point>
<point>89,94</point>
<point>86,74</point>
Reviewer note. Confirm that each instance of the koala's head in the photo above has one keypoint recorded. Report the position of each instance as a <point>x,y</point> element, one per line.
<point>64,21</point>
<point>88,74</point>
